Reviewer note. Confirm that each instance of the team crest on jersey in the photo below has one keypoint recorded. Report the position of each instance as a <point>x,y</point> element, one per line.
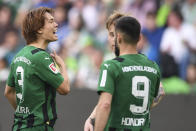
<point>53,68</point>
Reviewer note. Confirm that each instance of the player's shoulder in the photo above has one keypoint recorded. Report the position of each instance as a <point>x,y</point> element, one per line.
<point>39,54</point>
<point>146,59</point>
<point>149,62</point>
<point>118,60</point>
<point>19,56</point>
<point>112,63</point>
<point>33,52</point>
<point>40,57</point>
<point>154,65</point>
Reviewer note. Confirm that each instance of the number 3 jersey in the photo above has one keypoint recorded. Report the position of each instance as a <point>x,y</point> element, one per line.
<point>35,78</point>
<point>133,81</point>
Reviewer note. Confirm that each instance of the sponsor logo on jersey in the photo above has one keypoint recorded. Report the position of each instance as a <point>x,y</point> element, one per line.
<point>106,65</point>
<point>132,121</point>
<point>53,68</point>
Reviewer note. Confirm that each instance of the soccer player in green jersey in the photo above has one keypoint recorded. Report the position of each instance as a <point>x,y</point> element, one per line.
<point>34,79</point>
<point>128,85</point>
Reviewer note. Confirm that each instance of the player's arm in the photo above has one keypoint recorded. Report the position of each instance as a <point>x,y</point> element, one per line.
<point>90,121</point>
<point>159,97</point>
<point>64,88</point>
<point>10,94</point>
<point>103,111</point>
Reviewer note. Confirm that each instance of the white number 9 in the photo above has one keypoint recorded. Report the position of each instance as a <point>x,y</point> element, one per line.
<point>140,94</point>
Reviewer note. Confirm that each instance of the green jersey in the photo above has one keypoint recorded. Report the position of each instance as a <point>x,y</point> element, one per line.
<point>133,81</point>
<point>35,78</point>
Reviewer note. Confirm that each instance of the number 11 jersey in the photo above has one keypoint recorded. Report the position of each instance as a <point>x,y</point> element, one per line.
<point>133,81</point>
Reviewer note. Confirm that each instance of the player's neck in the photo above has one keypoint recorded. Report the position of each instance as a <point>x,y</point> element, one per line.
<point>39,44</point>
<point>128,49</point>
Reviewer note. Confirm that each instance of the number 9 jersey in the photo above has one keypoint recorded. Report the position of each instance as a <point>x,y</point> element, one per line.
<point>133,81</point>
<point>35,78</point>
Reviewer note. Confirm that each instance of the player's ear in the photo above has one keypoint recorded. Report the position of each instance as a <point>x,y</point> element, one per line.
<point>40,31</point>
<point>119,38</point>
<point>141,37</point>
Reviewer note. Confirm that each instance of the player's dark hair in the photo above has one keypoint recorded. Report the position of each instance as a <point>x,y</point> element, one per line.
<point>130,28</point>
<point>33,21</point>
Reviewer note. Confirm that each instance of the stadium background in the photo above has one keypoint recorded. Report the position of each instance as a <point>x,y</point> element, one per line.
<point>168,40</point>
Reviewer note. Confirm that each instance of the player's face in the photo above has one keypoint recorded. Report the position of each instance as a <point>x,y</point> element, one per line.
<point>50,28</point>
<point>111,37</point>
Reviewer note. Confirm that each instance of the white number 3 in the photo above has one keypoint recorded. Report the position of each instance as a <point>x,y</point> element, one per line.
<point>20,78</point>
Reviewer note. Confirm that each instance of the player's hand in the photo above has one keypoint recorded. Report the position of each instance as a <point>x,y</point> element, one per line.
<point>88,126</point>
<point>59,61</point>
<point>159,97</point>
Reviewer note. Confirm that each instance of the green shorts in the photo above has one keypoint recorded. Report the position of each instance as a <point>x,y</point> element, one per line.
<point>38,128</point>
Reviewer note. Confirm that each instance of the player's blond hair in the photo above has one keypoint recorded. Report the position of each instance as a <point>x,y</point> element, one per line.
<point>113,17</point>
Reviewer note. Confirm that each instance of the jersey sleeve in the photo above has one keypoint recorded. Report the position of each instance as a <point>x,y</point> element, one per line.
<point>47,71</point>
<point>107,78</point>
<point>158,80</point>
<point>10,81</point>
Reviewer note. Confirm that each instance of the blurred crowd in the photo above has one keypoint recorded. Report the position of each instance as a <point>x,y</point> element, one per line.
<point>168,37</point>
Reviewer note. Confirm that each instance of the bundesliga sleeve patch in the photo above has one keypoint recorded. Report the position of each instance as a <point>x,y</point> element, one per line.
<point>53,68</point>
